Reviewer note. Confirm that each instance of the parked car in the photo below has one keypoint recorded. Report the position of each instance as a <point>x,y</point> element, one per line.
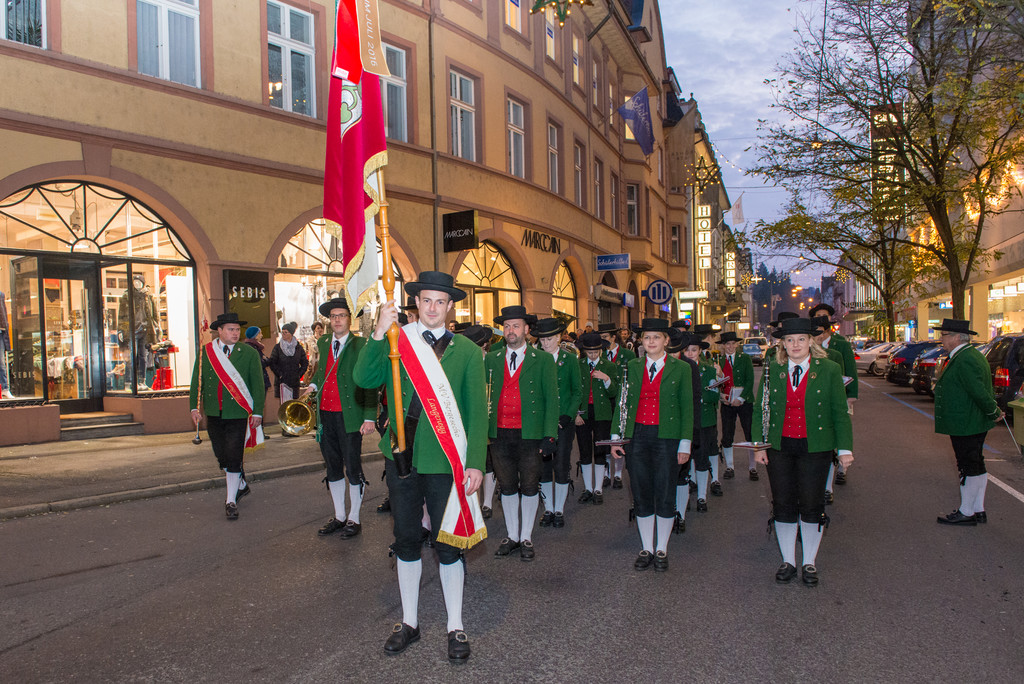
<point>923,370</point>
<point>754,351</point>
<point>761,342</point>
<point>898,369</point>
<point>1005,356</point>
<point>873,360</point>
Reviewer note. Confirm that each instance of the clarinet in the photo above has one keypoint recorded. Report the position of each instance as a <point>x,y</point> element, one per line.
<point>766,409</point>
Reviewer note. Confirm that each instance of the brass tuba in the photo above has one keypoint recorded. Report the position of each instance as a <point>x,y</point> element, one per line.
<point>297,416</point>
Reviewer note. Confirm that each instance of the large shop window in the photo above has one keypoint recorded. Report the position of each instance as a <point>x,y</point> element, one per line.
<point>488,277</point>
<point>168,39</point>
<point>24,21</point>
<point>563,294</point>
<point>100,296</point>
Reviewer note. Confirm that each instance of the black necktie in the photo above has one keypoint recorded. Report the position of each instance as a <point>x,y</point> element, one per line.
<point>337,347</point>
<point>429,337</point>
<point>226,350</point>
<point>653,368</point>
<point>512,365</point>
<point>797,370</point>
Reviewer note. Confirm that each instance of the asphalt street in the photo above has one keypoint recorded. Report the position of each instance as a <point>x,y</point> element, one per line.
<point>166,590</point>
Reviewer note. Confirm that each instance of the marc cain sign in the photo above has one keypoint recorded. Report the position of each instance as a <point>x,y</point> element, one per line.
<point>538,240</point>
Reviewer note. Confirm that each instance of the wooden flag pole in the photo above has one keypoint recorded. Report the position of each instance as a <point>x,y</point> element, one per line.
<point>388,280</point>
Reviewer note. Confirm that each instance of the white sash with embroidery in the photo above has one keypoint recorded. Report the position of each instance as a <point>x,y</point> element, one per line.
<point>235,385</point>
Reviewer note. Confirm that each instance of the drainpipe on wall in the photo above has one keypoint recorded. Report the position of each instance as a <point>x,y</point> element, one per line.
<point>433,137</point>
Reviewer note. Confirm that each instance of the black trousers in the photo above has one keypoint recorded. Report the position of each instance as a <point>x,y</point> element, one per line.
<point>706,448</point>
<point>227,435</point>
<point>593,431</point>
<point>745,412</point>
<point>558,467</point>
<point>516,463</point>
<point>653,471</point>
<point>798,480</point>
<point>969,452</point>
<point>407,498</point>
<point>342,451</point>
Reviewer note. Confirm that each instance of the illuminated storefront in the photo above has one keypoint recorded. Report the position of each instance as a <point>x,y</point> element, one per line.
<point>491,282</point>
<point>563,294</point>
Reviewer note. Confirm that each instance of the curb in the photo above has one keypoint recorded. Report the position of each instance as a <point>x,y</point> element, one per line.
<point>65,505</point>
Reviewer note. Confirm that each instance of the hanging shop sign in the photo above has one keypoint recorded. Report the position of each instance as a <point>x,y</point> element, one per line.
<point>603,293</point>
<point>248,295</point>
<point>702,230</point>
<point>459,231</point>
<point>613,262</point>
<point>659,292</point>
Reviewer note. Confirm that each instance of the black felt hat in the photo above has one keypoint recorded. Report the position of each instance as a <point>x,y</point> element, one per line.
<point>226,318</point>
<point>330,305</point>
<point>796,326</point>
<point>783,315</point>
<point>592,341</point>
<point>410,304</point>
<point>653,325</point>
<point>479,334</point>
<point>459,327</point>
<point>682,323</point>
<point>821,307</point>
<point>510,313</point>
<point>729,336</point>
<point>679,340</point>
<point>547,327</point>
<point>823,322</point>
<point>610,328</point>
<point>703,329</point>
<point>435,280</point>
<point>953,325</point>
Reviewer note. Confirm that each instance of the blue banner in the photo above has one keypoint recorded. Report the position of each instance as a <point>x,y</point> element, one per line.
<point>637,114</point>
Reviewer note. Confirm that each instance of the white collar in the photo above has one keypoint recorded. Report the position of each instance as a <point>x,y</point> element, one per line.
<point>824,342</point>
<point>342,339</point>
<point>958,348</point>
<point>520,352</point>
<point>658,365</point>
<point>436,332</point>
<point>804,365</point>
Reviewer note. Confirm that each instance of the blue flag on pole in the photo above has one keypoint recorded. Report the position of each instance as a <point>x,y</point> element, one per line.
<point>637,114</point>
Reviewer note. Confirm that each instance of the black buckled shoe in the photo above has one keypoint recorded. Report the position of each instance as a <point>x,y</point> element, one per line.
<point>385,506</point>
<point>243,492</point>
<point>458,647</point>
<point>660,561</point>
<point>351,529</point>
<point>558,520</point>
<point>680,525</point>
<point>617,483</point>
<point>754,477</point>
<point>332,526</point>
<point>401,636</point>
<point>957,518</point>
<point>506,547</point>
<point>702,506</point>
<point>526,552</point>
<point>728,474</point>
<point>586,496</point>
<point>606,481</point>
<point>981,517</point>
<point>598,498</point>
<point>785,573</point>
<point>486,512</point>
<point>231,510</point>
<point>716,488</point>
<point>809,575</point>
<point>829,498</point>
<point>643,561</point>
<point>545,520</point>
<point>840,478</point>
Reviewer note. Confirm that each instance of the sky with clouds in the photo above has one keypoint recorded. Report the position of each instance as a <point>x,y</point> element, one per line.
<point>722,51</point>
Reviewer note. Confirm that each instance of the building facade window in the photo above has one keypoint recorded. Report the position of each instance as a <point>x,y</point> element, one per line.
<point>632,209</point>
<point>463,115</point>
<point>101,294</point>
<point>168,40</point>
<point>627,131</point>
<point>611,102</point>
<point>675,252</point>
<point>563,295</point>
<point>661,166</point>
<point>554,170</point>
<point>661,236</point>
<point>613,195</point>
<point>290,59</point>
<point>514,15</point>
<point>550,46</point>
<point>394,94</point>
<point>577,174</point>
<point>598,189</point>
<point>595,84</point>
<point>490,282</point>
<point>516,139</point>
<point>25,22</point>
<point>576,59</point>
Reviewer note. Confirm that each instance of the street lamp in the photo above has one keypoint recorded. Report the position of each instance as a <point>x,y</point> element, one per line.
<point>560,7</point>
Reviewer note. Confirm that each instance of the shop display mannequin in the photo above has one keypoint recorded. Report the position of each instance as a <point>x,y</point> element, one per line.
<point>147,327</point>
<point>5,345</point>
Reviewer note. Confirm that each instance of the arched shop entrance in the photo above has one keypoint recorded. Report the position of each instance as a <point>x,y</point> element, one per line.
<point>101,296</point>
<point>491,281</point>
<point>563,295</point>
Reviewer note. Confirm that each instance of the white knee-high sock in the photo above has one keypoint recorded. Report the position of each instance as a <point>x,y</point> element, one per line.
<point>453,580</point>
<point>425,520</point>
<point>693,470</point>
<point>530,504</point>
<point>620,462</point>
<point>599,476</point>
<point>664,532</point>
<point>702,484</point>
<point>561,492</point>
<point>588,477</point>
<point>810,539</point>
<point>510,507</point>
<point>714,467</point>
<point>786,534</point>
<point>232,481</point>
<point>752,464</point>
<point>981,485</point>
<point>338,497</point>
<point>646,527</point>
<point>831,477</point>
<point>727,452</point>
<point>548,490</point>
<point>409,587</point>
<point>490,483</point>
<point>355,501</point>
<point>682,498</point>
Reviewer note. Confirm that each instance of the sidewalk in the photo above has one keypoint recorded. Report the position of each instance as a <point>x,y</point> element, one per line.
<point>62,476</point>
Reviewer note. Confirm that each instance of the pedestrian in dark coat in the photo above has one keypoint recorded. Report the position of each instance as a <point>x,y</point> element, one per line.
<point>289,363</point>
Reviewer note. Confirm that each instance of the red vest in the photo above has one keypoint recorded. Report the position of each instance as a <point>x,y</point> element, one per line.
<point>591,385</point>
<point>330,398</point>
<point>650,396</point>
<point>510,409</point>
<point>727,370</point>
<point>795,423</point>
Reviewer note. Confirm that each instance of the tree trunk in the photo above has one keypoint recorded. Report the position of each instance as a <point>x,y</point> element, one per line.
<point>890,319</point>
<point>958,288</point>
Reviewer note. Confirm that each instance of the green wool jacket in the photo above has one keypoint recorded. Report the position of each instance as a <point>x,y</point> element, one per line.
<point>836,357</point>
<point>622,358</point>
<point>675,410</point>
<point>709,397</point>
<point>357,404</point>
<point>849,366</point>
<point>604,397</point>
<point>247,362</point>
<point>825,411</point>
<point>464,367</point>
<point>570,388</point>
<point>965,402</point>
<point>538,392</point>
<point>742,373</point>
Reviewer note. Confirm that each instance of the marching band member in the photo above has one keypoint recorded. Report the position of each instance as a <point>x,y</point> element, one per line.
<point>554,479</point>
<point>445,449</point>
<point>834,343</point>
<point>824,325</point>
<point>599,379</point>
<point>706,445</point>
<point>620,356</point>
<point>228,377</point>
<point>807,420</point>
<point>678,343</point>
<point>659,424</point>
<point>346,413</point>
<point>737,398</point>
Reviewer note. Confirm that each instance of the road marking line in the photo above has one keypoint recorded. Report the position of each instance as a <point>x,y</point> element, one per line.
<point>1006,488</point>
<point>930,416</point>
<point>866,384</point>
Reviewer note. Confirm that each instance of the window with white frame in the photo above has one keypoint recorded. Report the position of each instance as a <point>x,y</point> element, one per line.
<point>516,139</point>
<point>394,89</point>
<point>577,173</point>
<point>514,15</point>
<point>632,208</point>
<point>613,195</point>
<point>553,168</point>
<point>576,59</point>
<point>167,38</point>
<point>598,189</point>
<point>290,53</point>
<point>549,34</point>
<point>463,115</point>
<point>24,21</point>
